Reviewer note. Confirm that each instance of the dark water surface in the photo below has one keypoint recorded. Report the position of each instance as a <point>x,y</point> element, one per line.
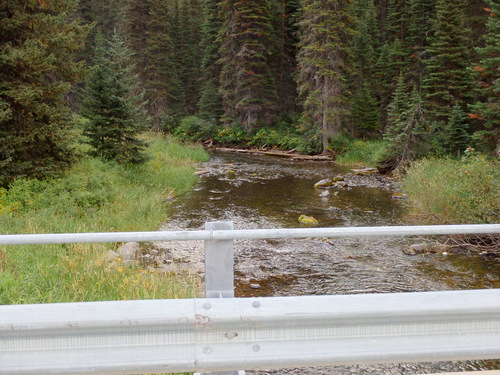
<point>268,192</point>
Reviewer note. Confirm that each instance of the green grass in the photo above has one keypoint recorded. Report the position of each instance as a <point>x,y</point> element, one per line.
<point>93,196</point>
<point>451,191</point>
<point>361,152</point>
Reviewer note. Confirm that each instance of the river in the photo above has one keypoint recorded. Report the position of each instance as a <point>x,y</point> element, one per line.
<point>257,191</point>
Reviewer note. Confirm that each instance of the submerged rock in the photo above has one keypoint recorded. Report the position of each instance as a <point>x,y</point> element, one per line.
<point>325,183</point>
<point>428,248</point>
<point>308,220</point>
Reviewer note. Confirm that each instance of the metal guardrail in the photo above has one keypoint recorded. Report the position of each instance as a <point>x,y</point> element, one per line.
<point>255,234</point>
<point>226,334</point>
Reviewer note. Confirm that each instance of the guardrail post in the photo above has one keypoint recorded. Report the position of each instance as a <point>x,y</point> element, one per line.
<point>219,270</point>
<point>219,263</point>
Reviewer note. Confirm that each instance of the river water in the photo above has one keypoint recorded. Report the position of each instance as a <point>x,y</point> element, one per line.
<point>256,191</point>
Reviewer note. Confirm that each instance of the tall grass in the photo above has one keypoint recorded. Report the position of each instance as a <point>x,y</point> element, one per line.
<point>451,191</point>
<point>360,152</point>
<point>93,197</point>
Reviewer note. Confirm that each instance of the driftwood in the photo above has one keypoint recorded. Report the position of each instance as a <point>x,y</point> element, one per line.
<point>281,154</point>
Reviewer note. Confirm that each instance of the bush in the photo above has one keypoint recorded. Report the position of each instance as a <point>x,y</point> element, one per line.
<point>195,129</point>
<point>451,191</point>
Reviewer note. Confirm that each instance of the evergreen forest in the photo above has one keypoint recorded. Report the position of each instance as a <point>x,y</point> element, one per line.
<point>423,76</point>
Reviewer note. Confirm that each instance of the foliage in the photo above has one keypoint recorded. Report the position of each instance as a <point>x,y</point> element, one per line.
<point>454,191</point>
<point>456,136</point>
<point>38,42</point>
<point>448,82</point>
<point>406,134</point>
<point>487,109</point>
<point>93,196</point>
<point>247,85</point>
<point>325,31</point>
<point>209,104</point>
<point>115,114</point>
<point>194,128</point>
<point>352,151</point>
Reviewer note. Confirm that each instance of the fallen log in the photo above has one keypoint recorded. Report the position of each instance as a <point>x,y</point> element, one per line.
<point>281,154</point>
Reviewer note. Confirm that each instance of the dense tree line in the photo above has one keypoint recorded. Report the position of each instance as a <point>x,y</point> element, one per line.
<point>423,74</point>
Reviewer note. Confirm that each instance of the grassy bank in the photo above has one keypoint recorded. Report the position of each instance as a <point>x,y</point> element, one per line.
<point>454,191</point>
<point>92,196</point>
<point>356,152</point>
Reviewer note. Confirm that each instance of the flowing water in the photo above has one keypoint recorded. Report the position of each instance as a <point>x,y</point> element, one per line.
<point>256,191</point>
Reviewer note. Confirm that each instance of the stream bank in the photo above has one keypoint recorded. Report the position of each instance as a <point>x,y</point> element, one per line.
<point>258,191</point>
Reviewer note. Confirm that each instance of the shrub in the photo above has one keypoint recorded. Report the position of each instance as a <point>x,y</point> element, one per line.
<point>195,129</point>
<point>451,191</point>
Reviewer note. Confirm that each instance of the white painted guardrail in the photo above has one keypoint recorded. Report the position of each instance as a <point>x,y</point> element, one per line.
<point>227,334</point>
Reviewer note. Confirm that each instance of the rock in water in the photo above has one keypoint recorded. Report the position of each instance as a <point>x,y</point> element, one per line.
<point>323,183</point>
<point>308,220</point>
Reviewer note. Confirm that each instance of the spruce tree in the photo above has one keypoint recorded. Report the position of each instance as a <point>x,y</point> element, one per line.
<point>448,82</point>
<point>325,34</point>
<point>248,88</point>
<point>283,62</point>
<point>420,27</point>
<point>456,134</point>
<point>210,104</point>
<point>163,84</point>
<point>189,51</point>
<point>486,110</point>
<point>364,83</point>
<point>113,112</point>
<point>38,43</point>
<point>390,64</point>
<point>407,133</point>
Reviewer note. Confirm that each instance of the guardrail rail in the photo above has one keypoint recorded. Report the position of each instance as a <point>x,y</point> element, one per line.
<point>215,334</point>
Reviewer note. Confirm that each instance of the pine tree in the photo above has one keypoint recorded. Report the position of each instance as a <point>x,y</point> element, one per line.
<point>487,108</point>
<point>407,133</point>
<point>189,51</point>
<point>364,82</point>
<point>397,20</point>
<point>247,84</point>
<point>447,80</point>
<point>210,104</point>
<point>134,26</point>
<point>163,83</point>
<point>323,56</point>
<point>283,62</point>
<point>456,136</point>
<point>390,64</point>
<point>37,69</point>
<point>114,114</point>
<point>419,30</point>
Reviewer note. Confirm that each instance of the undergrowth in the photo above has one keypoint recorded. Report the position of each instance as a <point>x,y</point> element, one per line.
<point>93,196</point>
<point>454,191</point>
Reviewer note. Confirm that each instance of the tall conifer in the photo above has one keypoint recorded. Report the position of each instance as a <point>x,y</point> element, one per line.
<point>114,112</point>
<point>37,68</point>
<point>247,84</point>
<point>325,34</point>
<point>487,109</point>
<point>209,104</point>
<point>448,81</point>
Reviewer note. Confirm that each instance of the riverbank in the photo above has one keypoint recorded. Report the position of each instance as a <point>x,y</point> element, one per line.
<point>94,197</point>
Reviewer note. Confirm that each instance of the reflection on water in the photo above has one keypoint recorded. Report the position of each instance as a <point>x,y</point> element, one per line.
<point>265,192</point>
